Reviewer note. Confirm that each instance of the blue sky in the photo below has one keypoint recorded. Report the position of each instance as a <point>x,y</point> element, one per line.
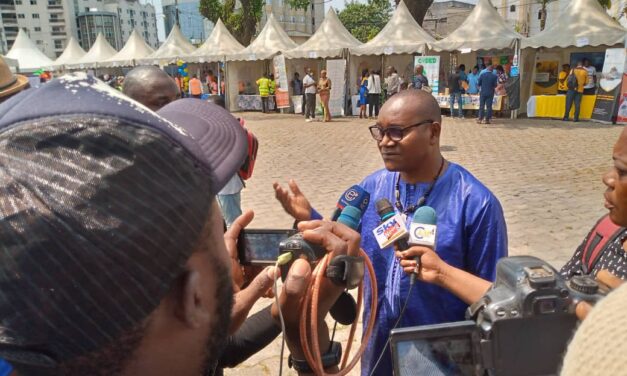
<point>337,4</point>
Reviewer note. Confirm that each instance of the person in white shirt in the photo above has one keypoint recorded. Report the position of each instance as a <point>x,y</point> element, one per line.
<point>591,83</point>
<point>374,93</point>
<point>392,82</point>
<point>310,95</point>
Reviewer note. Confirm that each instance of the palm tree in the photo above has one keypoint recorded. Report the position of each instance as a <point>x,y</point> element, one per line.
<point>606,4</point>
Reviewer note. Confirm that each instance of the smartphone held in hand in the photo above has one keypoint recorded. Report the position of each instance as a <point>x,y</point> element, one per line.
<point>261,246</point>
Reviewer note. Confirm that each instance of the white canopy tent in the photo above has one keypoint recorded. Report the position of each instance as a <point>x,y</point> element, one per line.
<point>29,57</point>
<point>219,44</point>
<point>174,47</point>
<point>330,40</point>
<point>134,49</point>
<point>72,53</point>
<point>245,67</point>
<point>483,29</point>
<point>99,52</point>
<point>581,23</point>
<point>271,40</point>
<point>401,35</point>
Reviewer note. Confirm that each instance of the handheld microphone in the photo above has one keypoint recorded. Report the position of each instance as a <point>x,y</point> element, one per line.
<point>298,247</point>
<point>354,196</point>
<point>422,231</point>
<point>392,228</point>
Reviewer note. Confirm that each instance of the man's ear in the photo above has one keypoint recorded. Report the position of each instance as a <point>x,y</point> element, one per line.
<point>191,309</point>
<point>436,129</point>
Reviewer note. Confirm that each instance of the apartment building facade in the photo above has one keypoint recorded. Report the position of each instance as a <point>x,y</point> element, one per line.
<point>51,23</point>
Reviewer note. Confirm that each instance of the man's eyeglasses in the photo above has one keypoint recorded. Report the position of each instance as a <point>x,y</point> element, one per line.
<point>395,133</point>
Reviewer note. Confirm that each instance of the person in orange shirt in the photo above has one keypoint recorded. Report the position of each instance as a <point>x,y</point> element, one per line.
<point>195,87</point>
<point>575,93</point>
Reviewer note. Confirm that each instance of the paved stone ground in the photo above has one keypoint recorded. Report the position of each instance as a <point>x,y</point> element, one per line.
<point>547,175</point>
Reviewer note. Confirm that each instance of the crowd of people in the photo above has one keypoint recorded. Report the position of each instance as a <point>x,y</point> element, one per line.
<point>115,259</point>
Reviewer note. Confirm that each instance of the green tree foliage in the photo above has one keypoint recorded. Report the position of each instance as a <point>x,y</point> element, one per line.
<point>241,21</point>
<point>364,21</point>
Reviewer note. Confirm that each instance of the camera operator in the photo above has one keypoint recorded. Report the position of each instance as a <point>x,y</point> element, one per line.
<point>113,258</point>
<point>612,257</point>
<point>153,88</point>
<point>408,137</point>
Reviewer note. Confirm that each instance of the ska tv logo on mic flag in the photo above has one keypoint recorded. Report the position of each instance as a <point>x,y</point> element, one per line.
<point>390,231</point>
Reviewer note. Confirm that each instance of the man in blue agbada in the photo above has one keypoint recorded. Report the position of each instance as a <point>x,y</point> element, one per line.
<point>471,231</point>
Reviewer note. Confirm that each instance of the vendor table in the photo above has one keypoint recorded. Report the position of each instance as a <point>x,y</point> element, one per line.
<point>253,102</point>
<point>471,102</point>
<point>553,106</point>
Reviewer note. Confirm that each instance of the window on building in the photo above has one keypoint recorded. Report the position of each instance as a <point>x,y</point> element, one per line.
<point>39,42</point>
<point>58,44</point>
<point>37,28</point>
<point>293,19</point>
<point>18,2</point>
<point>33,2</point>
<point>539,15</point>
<point>20,15</point>
<point>512,8</point>
<point>302,19</point>
<point>35,15</point>
<point>281,18</point>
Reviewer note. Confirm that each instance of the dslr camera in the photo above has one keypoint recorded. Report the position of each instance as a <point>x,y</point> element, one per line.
<point>521,326</point>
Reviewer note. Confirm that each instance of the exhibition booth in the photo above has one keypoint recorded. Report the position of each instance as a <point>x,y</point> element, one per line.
<point>584,30</point>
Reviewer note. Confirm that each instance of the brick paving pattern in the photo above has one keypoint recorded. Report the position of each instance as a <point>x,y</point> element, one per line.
<point>547,175</point>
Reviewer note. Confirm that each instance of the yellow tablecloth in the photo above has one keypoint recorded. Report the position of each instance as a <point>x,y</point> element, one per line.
<point>553,106</point>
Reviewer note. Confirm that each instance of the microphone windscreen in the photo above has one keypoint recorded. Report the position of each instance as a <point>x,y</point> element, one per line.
<point>384,208</point>
<point>350,216</point>
<point>425,215</point>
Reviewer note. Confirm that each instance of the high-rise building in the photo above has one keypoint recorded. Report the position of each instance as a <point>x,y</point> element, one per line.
<point>192,24</point>
<point>299,24</point>
<point>444,17</point>
<point>50,23</point>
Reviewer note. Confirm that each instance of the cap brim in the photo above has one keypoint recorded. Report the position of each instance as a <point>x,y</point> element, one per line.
<point>20,84</point>
<point>214,133</point>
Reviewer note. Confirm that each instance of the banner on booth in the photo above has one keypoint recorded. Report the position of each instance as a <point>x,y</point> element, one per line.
<point>282,95</point>
<point>621,118</point>
<point>609,90</point>
<point>336,72</point>
<point>431,66</point>
<point>545,82</point>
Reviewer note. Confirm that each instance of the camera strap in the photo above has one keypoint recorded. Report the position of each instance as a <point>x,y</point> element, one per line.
<point>600,238</point>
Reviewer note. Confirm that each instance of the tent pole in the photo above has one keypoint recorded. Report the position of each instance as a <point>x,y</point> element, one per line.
<point>514,113</point>
<point>347,81</point>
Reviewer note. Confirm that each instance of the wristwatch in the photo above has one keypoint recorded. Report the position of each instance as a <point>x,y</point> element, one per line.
<point>329,359</point>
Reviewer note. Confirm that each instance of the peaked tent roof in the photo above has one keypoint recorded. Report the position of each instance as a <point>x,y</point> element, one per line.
<point>401,35</point>
<point>174,47</point>
<point>328,41</point>
<point>29,57</point>
<point>99,52</point>
<point>271,40</point>
<point>219,44</point>
<point>483,29</point>
<point>134,49</point>
<point>581,23</point>
<point>71,54</point>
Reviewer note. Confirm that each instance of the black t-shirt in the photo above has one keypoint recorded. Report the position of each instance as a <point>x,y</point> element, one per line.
<point>454,83</point>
